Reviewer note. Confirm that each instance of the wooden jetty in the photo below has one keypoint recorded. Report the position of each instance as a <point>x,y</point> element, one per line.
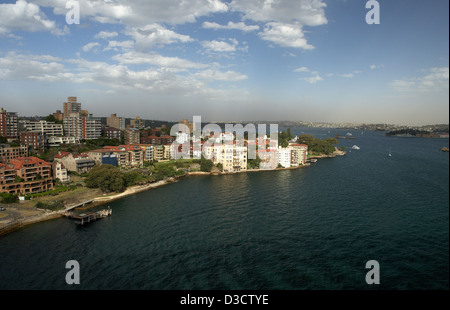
<point>87,217</point>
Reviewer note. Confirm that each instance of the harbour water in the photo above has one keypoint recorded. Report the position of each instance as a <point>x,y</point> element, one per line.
<point>309,228</point>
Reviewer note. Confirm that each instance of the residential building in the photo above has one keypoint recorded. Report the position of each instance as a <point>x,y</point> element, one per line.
<point>58,115</point>
<point>232,157</point>
<point>9,124</point>
<point>137,123</point>
<point>78,163</point>
<point>60,172</point>
<point>43,127</point>
<point>128,155</point>
<point>71,106</point>
<point>150,140</point>
<point>148,151</point>
<point>166,140</point>
<point>299,153</point>
<point>8,153</point>
<point>284,157</point>
<point>116,122</point>
<point>132,136</point>
<point>103,156</point>
<point>82,127</point>
<point>57,141</point>
<point>169,152</point>
<point>31,175</point>
<point>33,140</point>
<point>158,152</point>
<point>112,133</point>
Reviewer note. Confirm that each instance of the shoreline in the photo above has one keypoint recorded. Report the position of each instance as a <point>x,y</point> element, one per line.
<point>103,199</point>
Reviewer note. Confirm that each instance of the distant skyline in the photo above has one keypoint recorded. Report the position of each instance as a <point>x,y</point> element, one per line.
<point>249,60</point>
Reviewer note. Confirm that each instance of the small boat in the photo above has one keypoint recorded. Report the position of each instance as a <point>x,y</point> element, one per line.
<point>313,160</point>
<point>390,154</point>
<point>349,134</point>
<point>355,147</point>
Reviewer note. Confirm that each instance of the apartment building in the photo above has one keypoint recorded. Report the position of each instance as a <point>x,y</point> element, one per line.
<point>9,124</point>
<point>71,106</point>
<point>43,127</point>
<point>60,172</point>
<point>158,152</point>
<point>82,127</point>
<point>80,163</point>
<point>8,153</point>
<point>284,157</point>
<point>116,122</point>
<point>232,157</point>
<point>299,153</point>
<point>132,136</point>
<point>112,133</point>
<point>148,151</point>
<point>57,141</point>
<point>26,175</point>
<point>33,140</point>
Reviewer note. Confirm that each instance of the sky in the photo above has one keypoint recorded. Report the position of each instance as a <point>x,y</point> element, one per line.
<point>229,60</point>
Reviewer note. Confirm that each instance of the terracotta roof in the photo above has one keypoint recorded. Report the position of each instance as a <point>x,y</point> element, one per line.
<point>19,162</point>
<point>296,144</point>
<point>61,154</point>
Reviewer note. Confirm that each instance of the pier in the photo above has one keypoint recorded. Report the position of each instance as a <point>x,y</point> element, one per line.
<point>87,217</point>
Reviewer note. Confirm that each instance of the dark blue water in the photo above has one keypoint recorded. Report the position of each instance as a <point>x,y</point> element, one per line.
<point>309,228</point>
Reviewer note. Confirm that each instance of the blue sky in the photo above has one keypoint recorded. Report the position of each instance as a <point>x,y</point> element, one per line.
<point>308,60</point>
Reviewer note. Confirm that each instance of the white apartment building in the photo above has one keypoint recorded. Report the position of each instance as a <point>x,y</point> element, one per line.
<point>232,157</point>
<point>43,127</point>
<point>299,153</point>
<point>284,157</point>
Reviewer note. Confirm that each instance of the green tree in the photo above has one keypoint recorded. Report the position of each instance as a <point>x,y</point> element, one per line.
<point>106,177</point>
<point>206,165</point>
<point>51,118</point>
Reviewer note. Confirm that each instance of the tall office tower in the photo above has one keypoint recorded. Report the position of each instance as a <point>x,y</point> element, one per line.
<point>72,106</point>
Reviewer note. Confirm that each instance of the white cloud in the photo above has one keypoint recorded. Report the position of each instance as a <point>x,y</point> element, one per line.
<point>313,79</point>
<point>14,66</point>
<point>376,66</point>
<point>166,63</point>
<point>106,35</point>
<point>229,76</point>
<point>231,25</point>
<point>154,34</point>
<point>286,35</point>
<point>301,69</point>
<point>350,75</point>
<point>158,79</point>
<point>305,12</point>
<point>219,46</point>
<point>284,19</point>
<point>435,79</point>
<point>90,46</point>
<point>119,45</point>
<point>139,13</point>
<point>24,16</point>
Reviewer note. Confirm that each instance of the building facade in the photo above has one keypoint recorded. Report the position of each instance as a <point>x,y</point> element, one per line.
<point>71,106</point>
<point>9,124</point>
<point>116,122</point>
<point>26,175</point>
<point>8,153</point>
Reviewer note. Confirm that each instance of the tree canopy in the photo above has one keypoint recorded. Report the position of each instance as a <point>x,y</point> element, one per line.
<point>106,177</point>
